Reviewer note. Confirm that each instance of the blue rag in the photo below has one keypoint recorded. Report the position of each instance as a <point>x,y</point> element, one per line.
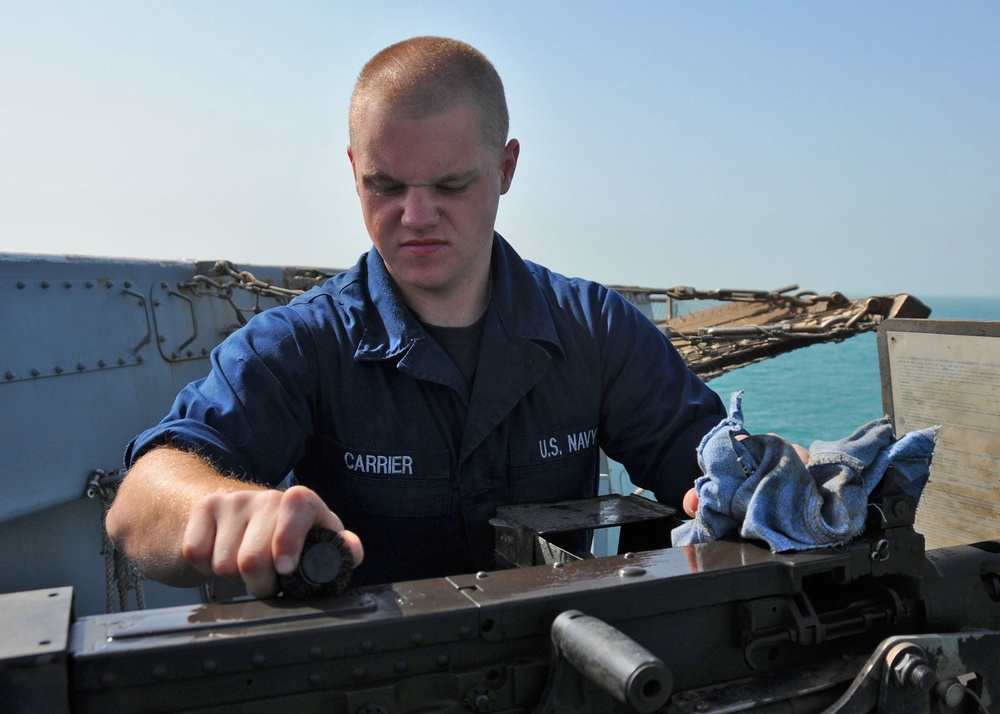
<point>760,487</point>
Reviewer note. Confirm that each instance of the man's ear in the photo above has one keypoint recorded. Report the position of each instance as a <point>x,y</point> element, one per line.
<point>508,163</point>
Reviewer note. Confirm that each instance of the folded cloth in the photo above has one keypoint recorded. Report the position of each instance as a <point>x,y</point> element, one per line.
<point>760,487</point>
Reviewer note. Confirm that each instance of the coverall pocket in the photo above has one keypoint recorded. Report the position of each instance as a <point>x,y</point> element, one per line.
<point>567,479</point>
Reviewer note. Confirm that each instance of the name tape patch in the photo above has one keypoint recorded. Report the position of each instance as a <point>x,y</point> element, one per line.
<point>398,464</point>
<point>531,451</point>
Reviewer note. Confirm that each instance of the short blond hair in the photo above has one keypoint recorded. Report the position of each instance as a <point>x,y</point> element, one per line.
<point>423,76</point>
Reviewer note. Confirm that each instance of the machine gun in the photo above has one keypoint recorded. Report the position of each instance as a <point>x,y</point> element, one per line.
<point>729,626</point>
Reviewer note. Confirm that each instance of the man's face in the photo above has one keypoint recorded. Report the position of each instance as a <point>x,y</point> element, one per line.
<point>429,192</point>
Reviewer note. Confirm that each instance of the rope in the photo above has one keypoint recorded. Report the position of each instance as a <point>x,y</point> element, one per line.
<point>120,576</point>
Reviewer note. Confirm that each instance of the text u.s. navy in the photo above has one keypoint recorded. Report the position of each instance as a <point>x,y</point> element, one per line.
<point>550,448</point>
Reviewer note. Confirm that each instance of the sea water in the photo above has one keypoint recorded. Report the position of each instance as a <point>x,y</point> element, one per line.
<point>827,391</point>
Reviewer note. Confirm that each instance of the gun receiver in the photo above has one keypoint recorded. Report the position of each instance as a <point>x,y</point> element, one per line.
<point>720,627</point>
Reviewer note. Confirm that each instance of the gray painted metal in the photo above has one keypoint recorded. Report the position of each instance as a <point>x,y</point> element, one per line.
<point>92,351</point>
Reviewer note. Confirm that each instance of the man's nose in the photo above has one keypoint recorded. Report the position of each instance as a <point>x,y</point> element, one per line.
<point>419,208</point>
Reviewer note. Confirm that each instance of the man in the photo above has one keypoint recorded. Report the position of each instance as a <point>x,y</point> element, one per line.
<point>440,377</point>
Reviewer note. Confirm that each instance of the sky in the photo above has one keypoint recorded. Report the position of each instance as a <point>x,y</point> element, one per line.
<point>851,145</point>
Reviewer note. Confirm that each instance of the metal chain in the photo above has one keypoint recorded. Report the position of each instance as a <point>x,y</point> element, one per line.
<point>230,278</point>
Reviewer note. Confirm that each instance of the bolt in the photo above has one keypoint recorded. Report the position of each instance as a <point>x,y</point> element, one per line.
<point>631,571</point>
<point>923,677</point>
<point>59,370</point>
<point>45,285</point>
<point>80,366</point>
<point>912,671</point>
<point>477,700</point>
<point>9,375</point>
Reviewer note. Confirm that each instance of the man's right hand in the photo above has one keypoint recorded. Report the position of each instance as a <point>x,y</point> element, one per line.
<point>181,522</point>
<point>252,536</point>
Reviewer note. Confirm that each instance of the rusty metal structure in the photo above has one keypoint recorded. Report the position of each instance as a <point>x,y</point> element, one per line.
<point>717,331</point>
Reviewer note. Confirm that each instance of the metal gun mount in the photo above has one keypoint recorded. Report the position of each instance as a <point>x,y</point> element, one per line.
<point>722,627</point>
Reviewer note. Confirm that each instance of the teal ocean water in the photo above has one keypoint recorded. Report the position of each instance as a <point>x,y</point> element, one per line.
<point>826,391</point>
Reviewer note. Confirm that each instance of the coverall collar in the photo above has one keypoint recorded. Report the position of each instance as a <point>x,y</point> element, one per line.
<point>516,303</point>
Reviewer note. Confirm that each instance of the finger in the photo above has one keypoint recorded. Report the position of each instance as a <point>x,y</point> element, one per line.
<point>256,566</point>
<point>690,503</point>
<point>300,510</point>
<point>198,542</point>
<point>354,543</point>
<point>801,451</point>
<point>230,526</point>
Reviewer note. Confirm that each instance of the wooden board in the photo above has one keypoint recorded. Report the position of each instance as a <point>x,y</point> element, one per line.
<point>947,373</point>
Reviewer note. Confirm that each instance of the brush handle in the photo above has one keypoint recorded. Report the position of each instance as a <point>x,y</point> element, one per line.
<point>325,566</point>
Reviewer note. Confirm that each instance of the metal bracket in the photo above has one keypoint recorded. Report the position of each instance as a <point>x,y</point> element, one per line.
<point>546,533</point>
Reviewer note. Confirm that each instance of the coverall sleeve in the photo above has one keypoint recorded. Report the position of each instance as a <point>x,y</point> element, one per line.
<point>654,410</point>
<point>252,414</point>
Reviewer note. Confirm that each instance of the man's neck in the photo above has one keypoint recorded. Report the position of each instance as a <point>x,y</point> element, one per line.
<point>460,306</point>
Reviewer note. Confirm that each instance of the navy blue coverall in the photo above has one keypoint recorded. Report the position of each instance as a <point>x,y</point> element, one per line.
<point>344,390</point>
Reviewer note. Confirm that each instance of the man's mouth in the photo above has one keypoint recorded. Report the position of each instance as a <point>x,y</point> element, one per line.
<point>423,246</point>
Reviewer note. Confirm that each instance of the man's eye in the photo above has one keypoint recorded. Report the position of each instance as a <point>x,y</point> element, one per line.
<point>385,189</point>
<point>452,188</point>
